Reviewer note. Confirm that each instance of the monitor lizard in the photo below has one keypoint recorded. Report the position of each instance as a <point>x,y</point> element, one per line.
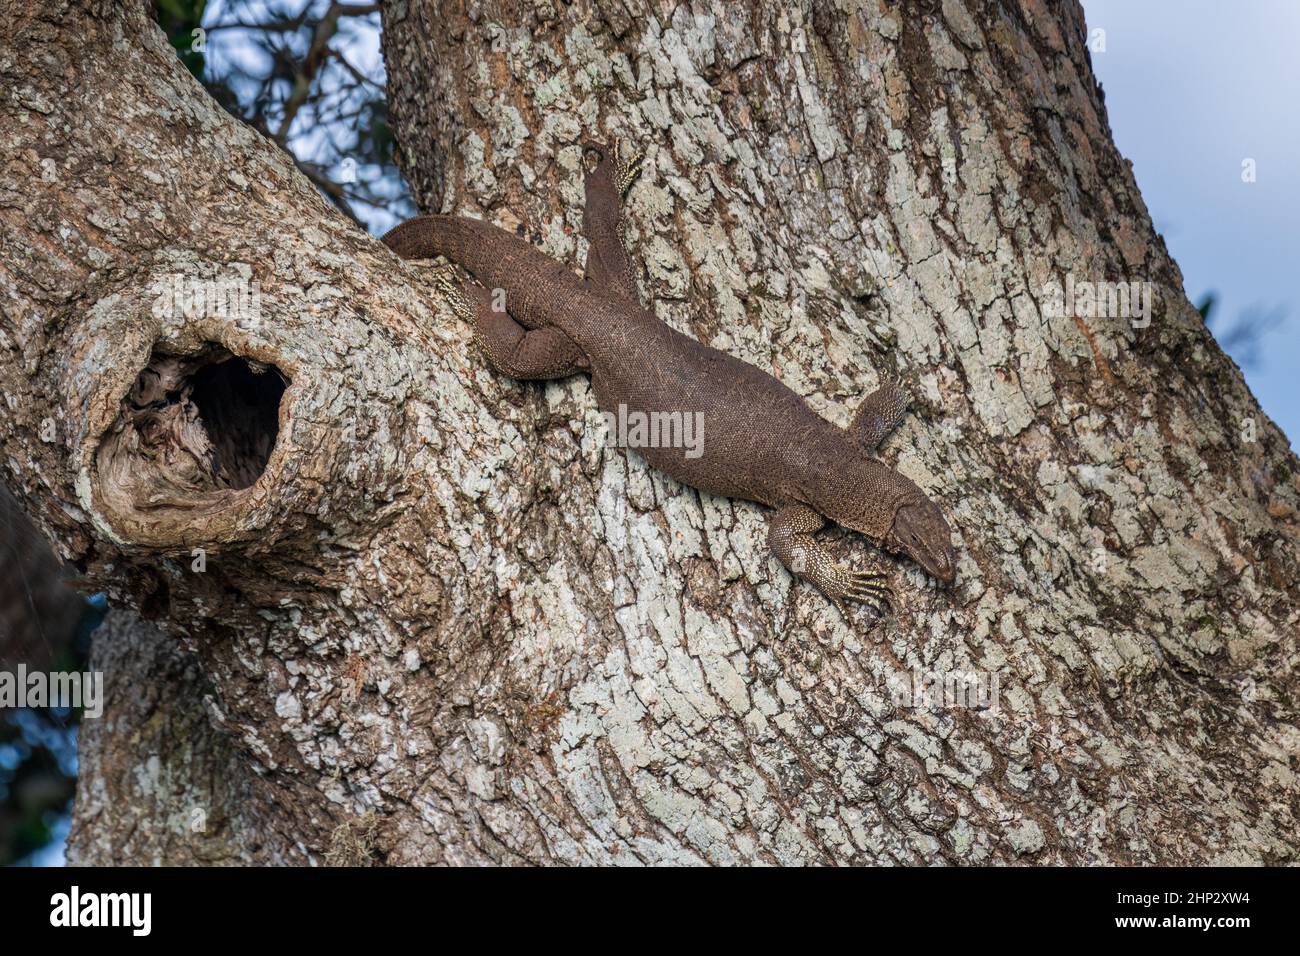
<point>760,441</point>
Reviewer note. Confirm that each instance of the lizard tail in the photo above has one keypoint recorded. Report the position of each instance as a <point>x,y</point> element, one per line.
<point>487,252</point>
<point>538,289</point>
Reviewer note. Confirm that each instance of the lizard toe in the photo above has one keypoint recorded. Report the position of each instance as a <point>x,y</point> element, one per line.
<point>867,575</point>
<point>869,589</point>
<point>627,166</point>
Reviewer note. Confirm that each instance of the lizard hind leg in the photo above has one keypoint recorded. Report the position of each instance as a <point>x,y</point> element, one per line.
<point>453,291</point>
<point>608,263</point>
<point>790,535</point>
<point>511,348</point>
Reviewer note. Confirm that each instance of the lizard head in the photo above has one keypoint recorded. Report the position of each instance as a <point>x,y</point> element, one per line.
<point>869,497</point>
<point>921,532</point>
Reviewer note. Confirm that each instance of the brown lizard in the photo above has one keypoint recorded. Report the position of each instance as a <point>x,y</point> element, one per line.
<point>759,442</point>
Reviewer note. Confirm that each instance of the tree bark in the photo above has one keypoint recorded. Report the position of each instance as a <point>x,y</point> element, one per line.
<point>156,781</point>
<point>445,625</point>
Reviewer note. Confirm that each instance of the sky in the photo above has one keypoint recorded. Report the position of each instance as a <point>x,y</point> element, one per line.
<point>1193,89</point>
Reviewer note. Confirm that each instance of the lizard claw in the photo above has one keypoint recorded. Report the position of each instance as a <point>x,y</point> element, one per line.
<point>866,587</point>
<point>454,293</point>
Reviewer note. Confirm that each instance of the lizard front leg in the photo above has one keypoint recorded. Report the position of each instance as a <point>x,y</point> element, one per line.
<point>512,349</point>
<point>790,535</point>
<point>879,414</point>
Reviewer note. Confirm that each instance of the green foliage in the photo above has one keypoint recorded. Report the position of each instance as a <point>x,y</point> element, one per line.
<point>1206,308</point>
<point>1243,339</point>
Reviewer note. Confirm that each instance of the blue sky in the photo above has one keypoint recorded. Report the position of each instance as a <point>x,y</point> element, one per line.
<point>1193,88</point>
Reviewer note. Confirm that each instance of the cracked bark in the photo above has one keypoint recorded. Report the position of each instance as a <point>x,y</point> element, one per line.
<point>446,626</point>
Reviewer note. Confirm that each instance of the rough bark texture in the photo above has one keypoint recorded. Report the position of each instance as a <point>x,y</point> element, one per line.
<point>447,625</point>
<point>157,782</point>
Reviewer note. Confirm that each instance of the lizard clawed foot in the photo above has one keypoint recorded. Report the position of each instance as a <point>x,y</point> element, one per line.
<point>791,537</point>
<point>449,285</point>
<point>867,587</point>
<point>627,166</point>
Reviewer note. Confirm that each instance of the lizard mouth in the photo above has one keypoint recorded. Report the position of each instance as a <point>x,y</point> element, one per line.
<point>942,567</point>
<point>939,564</point>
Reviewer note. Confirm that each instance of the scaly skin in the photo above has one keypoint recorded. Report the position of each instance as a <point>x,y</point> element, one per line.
<point>759,440</point>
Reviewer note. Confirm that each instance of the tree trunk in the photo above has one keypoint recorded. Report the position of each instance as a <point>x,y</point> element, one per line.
<point>432,620</point>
